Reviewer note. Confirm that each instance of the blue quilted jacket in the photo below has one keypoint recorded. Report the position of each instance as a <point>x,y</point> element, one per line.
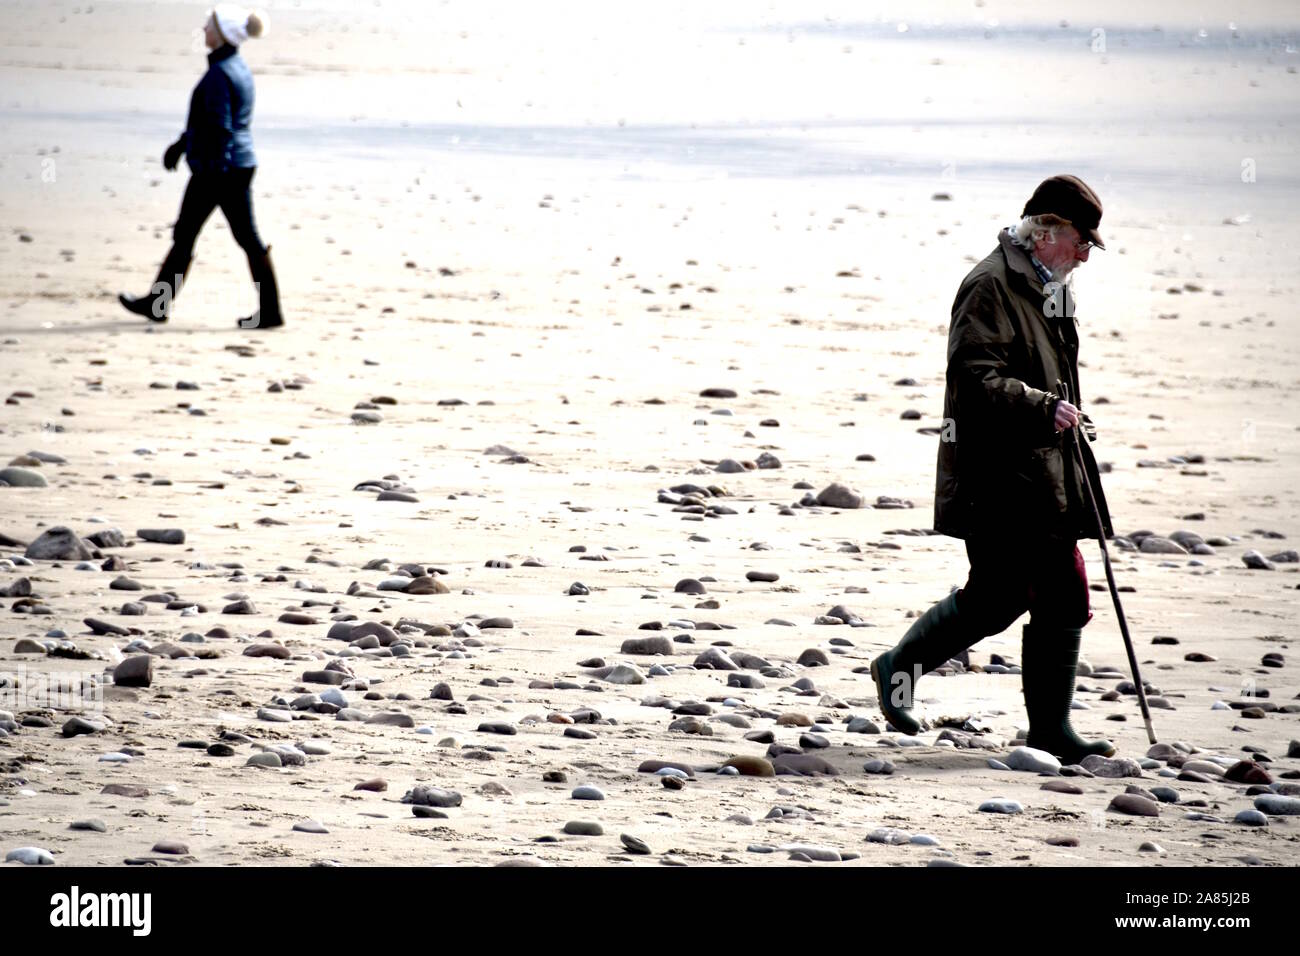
<point>217,133</point>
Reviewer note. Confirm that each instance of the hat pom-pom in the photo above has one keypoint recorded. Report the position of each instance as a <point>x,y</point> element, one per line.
<point>258,25</point>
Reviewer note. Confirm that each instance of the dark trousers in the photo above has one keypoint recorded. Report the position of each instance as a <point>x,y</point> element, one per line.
<point>206,191</point>
<point>1045,578</point>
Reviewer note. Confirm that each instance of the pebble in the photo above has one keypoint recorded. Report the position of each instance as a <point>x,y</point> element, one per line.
<point>624,674</point>
<point>1113,767</point>
<point>1277,805</point>
<point>424,795</point>
<point>584,828</point>
<point>1063,786</point>
<point>803,765</point>
<point>58,544</point>
<point>267,758</point>
<point>634,844</point>
<point>836,495</point>
<point>1033,761</point>
<point>1000,805</point>
<point>310,826</point>
<point>134,671</point>
<point>1251,818</point>
<point>21,478</point>
<point>658,766</point>
<point>813,657</point>
<point>30,855</point>
<point>1134,804</point>
<point>862,725</point>
<point>161,535</point>
<point>751,766</point>
<point>588,793</point>
<point>813,854</point>
<point>647,646</point>
<point>716,659</point>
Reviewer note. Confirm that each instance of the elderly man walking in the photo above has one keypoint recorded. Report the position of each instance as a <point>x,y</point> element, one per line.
<point>1006,481</point>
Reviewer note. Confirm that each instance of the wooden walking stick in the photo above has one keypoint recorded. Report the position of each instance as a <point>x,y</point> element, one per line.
<point>1064,392</point>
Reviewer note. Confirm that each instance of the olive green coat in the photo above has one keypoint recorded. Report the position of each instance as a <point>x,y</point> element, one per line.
<point>1003,468</point>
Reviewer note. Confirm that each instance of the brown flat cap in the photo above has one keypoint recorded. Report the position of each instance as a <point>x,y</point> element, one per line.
<point>1069,198</point>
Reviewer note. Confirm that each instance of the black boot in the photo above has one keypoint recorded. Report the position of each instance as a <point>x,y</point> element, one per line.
<point>156,305</point>
<point>267,315</point>
<point>1049,656</point>
<point>932,640</point>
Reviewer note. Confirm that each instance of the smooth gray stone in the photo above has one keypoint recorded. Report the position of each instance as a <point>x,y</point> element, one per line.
<point>1000,806</point>
<point>648,646</point>
<point>584,828</point>
<point>391,719</point>
<point>427,796</point>
<point>58,544</point>
<point>76,726</point>
<point>815,854</point>
<point>588,793</point>
<point>267,758</point>
<point>30,855</point>
<point>1033,761</point>
<point>634,844</point>
<point>717,659</point>
<point>134,671</point>
<point>1251,818</point>
<point>1277,805</point>
<point>161,535</point>
<point>16,477</point>
<point>624,674</point>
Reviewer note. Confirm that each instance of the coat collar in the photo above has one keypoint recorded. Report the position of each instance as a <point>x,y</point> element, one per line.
<point>1017,260</point>
<point>223,52</point>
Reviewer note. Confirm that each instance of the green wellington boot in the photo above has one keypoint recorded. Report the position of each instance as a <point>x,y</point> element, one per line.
<point>934,638</point>
<point>1049,656</point>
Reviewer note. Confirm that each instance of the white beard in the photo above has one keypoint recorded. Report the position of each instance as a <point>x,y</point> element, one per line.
<point>1065,277</point>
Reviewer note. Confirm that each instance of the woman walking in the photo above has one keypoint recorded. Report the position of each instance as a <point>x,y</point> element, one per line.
<point>218,145</point>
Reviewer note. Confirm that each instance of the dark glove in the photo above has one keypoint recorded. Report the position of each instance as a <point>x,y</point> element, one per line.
<point>173,154</point>
<point>1089,429</point>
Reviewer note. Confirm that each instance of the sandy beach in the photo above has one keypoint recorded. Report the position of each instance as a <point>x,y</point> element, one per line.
<point>544,270</point>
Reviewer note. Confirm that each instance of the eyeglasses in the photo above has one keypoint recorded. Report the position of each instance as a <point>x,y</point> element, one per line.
<point>1084,245</point>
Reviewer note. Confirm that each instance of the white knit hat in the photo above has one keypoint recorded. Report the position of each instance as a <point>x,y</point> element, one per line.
<point>235,24</point>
